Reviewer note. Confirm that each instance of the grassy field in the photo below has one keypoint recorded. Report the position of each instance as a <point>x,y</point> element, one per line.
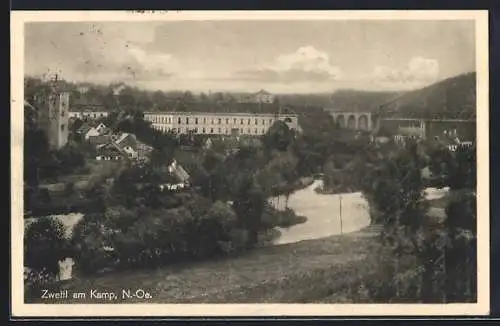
<point>302,272</point>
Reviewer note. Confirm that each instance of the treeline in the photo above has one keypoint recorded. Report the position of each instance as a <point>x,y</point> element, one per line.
<point>425,259</point>
<point>119,96</point>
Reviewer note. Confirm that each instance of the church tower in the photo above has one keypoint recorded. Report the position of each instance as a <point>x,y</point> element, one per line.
<point>53,106</point>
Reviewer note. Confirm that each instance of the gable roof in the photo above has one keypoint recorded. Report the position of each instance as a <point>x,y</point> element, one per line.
<point>179,172</point>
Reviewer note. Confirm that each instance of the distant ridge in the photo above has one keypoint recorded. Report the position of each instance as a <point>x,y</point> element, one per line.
<point>359,100</point>
<point>451,98</point>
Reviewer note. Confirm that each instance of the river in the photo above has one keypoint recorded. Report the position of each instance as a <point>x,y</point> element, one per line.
<point>326,214</point>
<point>329,215</point>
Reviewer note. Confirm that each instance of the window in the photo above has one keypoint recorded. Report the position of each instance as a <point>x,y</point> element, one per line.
<point>204,131</point>
<point>211,130</point>
<point>220,120</point>
<point>187,121</point>
<point>256,131</point>
<point>179,120</point>
<point>102,114</point>
<point>195,121</point>
<point>248,121</point>
<point>241,122</point>
<point>256,121</point>
<point>62,113</point>
<point>227,121</point>
<point>196,130</point>
<point>234,120</point>
<point>204,120</point>
<point>62,127</point>
<point>263,122</point>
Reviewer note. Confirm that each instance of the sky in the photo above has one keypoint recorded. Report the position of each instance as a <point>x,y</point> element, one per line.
<point>245,56</point>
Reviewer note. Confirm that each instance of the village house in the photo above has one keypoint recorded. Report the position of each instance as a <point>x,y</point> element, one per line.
<point>109,152</point>
<point>83,108</point>
<point>89,130</point>
<point>178,178</point>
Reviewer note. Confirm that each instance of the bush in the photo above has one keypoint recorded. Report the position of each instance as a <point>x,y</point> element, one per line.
<point>237,242</point>
<point>36,281</point>
<point>89,243</point>
<point>273,218</point>
<point>44,245</point>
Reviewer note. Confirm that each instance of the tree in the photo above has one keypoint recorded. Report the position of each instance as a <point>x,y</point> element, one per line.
<point>278,137</point>
<point>44,245</point>
<point>395,189</point>
<point>461,251</point>
<point>249,206</point>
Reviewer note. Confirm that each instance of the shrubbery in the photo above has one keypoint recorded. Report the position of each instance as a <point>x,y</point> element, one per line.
<point>148,238</point>
<point>274,218</point>
<point>44,246</point>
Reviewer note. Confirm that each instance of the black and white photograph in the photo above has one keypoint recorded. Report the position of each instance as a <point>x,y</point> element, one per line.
<point>286,163</point>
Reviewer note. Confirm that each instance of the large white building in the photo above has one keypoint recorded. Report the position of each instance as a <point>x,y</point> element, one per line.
<point>210,123</point>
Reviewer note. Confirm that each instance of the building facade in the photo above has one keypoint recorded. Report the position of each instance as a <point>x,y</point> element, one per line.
<point>53,115</point>
<point>431,128</point>
<point>209,123</point>
<point>90,114</point>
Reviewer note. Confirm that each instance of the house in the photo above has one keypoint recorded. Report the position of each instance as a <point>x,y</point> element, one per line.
<point>109,152</point>
<point>381,136</point>
<point>131,152</point>
<point>176,179</point>
<point>131,147</point>
<point>83,107</point>
<point>126,140</point>
<point>143,151</point>
<point>100,139</point>
<point>90,129</point>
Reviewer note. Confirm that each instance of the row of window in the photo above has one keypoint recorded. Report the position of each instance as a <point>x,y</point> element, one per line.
<point>227,131</point>
<point>90,115</point>
<point>219,121</point>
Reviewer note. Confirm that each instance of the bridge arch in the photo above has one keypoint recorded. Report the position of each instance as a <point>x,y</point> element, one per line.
<point>363,122</point>
<point>340,121</point>
<point>351,122</point>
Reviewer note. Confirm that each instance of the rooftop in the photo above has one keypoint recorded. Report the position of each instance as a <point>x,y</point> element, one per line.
<point>229,114</point>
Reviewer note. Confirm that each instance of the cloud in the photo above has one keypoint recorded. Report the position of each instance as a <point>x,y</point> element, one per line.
<point>305,64</point>
<point>131,63</point>
<point>418,71</point>
<point>93,51</point>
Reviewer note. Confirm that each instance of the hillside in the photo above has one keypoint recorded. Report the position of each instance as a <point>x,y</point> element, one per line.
<point>355,100</point>
<point>452,98</point>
